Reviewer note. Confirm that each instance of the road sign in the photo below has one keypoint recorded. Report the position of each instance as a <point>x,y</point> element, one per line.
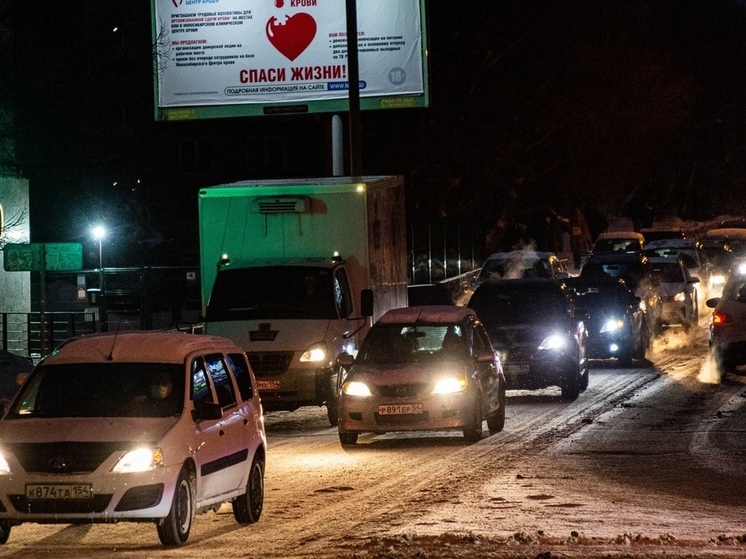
<point>57,257</point>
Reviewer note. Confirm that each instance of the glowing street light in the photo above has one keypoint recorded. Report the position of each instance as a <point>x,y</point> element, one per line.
<point>99,232</point>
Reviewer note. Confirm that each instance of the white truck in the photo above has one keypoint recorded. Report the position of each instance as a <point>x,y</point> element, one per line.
<point>295,272</point>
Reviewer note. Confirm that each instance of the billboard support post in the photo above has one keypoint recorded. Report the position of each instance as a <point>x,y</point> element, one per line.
<point>353,71</point>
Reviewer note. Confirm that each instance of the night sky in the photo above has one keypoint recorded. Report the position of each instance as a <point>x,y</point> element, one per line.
<point>534,104</point>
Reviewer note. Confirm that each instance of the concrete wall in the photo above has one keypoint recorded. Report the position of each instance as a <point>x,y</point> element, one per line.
<point>15,287</point>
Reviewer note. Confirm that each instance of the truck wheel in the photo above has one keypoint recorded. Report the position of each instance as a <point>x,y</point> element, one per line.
<point>174,529</point>
<point>5,527</point>
<point>331,401</point>
<point>347,438</point>
<point>248,507</point>
<point>331,412</point>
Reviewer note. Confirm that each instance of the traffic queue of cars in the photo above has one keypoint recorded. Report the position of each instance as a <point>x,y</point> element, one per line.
<point>160,426</point>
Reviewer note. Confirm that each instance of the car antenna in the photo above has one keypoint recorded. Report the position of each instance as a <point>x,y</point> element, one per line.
<point>110,357</point>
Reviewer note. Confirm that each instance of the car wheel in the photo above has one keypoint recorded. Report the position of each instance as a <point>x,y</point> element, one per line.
<point>571,387</point>
<point>5,527</point>
<point>347,438</point>
<point>473,429</point>
<point>248,507</point>
<point>496,421</point>
<point>642,345</point>
<point>174,529</point>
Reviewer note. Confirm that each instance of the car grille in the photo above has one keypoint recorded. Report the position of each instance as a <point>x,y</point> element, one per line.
<point>63,457</point>
<point>400,390</point>
<point>270,363</point>
<point>402,419</point>
<point>97,503</point>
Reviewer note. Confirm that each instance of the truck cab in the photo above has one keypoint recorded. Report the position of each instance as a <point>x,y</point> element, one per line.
<point>293,317</point>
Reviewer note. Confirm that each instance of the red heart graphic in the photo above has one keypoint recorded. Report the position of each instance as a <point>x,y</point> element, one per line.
<point>292,37</point>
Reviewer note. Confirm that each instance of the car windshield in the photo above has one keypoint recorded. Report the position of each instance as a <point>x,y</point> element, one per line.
<point>631,272</point>
<point>102,390</point>
<point>514,268</point>
<point>519,307</point>
<point>592,297</point>
<point>396,343</point>
<point>616,245</point>
<point>278,292</point>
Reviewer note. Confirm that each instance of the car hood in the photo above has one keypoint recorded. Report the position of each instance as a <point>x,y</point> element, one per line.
<point>72,429</point>
<point>408,373</point>
<point>512,334</point>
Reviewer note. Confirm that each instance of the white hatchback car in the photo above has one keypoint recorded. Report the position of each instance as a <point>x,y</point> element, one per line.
<point>135,426</point>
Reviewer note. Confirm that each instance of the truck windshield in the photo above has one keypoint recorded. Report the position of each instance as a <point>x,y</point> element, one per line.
<point>272,292</point>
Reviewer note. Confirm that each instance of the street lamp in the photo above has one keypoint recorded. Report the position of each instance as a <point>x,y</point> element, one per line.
<point>99,232</point>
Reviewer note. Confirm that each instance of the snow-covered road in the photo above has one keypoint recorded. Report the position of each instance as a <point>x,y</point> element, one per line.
<point>648,461</point>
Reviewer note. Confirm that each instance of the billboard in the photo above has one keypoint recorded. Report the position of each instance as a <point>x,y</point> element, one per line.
<point>222,58</point>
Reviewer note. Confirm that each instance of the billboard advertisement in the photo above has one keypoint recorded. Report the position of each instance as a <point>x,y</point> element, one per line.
<point>219,58</point>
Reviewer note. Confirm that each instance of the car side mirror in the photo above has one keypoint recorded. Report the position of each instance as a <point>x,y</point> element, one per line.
<point>693,280</point>
<point>207,410</point>
<point>485,356</point>
<point>366,302</point>
<point>712,303</point>
<point>345,360</point>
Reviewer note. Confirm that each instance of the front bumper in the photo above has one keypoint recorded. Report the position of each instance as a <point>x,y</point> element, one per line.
<point>142,496</point>
<point>437,412</point>
<point>539,371</point>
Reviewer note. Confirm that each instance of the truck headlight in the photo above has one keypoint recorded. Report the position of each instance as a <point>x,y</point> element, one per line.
<point>4,467</point>
<point>314,354</point>
<point>139,460</point>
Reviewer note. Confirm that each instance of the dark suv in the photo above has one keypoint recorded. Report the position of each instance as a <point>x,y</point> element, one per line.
<point>533,325</point>
<point>637,273</point>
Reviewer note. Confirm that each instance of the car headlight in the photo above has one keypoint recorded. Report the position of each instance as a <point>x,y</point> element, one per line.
<point>4,467</point>
<point>554,341</point>
<point>139,460</point>
<point>679,297</point>
<point>355,388</point>
<point>314,354</point>
<point>717,279</point>
<point>612,325</point>
<point>450,385</point>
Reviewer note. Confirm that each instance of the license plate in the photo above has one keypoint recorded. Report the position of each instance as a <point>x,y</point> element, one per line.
<point>58,491</point>
<point>516,368</point>
<point>268,384</point>
<point>399,409</point>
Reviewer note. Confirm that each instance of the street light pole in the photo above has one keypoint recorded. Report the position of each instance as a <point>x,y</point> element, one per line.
<point>99,232</point>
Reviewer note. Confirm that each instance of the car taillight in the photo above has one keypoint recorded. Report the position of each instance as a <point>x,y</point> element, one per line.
<point>720,318</point>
